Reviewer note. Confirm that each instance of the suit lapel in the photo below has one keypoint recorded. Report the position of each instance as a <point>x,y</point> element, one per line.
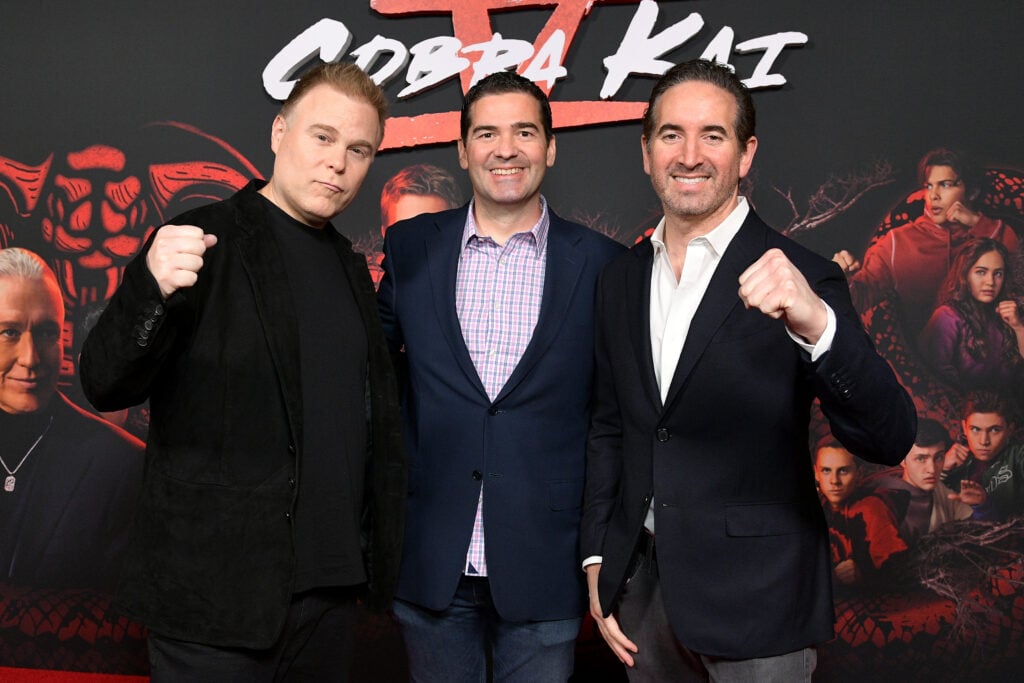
<point>638,324</point>
<point>441,248</point>
<point>719,300</point>
<point>562,271</point>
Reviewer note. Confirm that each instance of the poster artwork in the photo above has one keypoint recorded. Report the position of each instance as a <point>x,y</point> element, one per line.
<point>928,557</point>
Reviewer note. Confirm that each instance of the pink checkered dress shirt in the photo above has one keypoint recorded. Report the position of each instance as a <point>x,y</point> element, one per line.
<point>498,294</point>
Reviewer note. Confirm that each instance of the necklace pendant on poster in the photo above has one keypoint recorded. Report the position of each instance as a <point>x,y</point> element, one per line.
<point>10,481</point>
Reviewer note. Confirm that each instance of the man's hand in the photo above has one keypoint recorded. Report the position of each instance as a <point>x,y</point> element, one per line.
<point>176,256</point>
<point>847,261</point>
<point>847,573</point>
<point>971,492</point>
<point>774,286</point>
<point>609,626</point>
<point>955,456</point>
<point>959,213</point>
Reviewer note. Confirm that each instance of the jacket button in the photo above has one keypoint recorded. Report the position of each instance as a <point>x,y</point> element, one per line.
<point>288,516</point>
<point>291,482</point>
<point>477,475</point>
<point>663,435</point>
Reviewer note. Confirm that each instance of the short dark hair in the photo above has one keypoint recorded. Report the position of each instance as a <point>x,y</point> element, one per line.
<point>961,163</point>
<point>986,402</point>
<point>346,78</point>
<point>705,71</point>
<point>931,433</point>
<point>500,83</point>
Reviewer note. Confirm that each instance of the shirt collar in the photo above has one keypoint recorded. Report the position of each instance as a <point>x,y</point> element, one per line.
<point>539,231</point>
<point>718,239</point>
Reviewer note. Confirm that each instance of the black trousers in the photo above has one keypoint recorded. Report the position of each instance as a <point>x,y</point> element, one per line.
<point>316,645</point>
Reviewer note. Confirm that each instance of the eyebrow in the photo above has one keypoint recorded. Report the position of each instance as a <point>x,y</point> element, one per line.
<point>519,125</point>
<point>713,128</point>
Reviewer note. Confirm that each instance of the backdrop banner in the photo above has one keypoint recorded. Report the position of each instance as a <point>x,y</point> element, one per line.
<point>117,117</point>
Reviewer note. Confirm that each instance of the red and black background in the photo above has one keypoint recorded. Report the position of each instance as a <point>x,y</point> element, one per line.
<point>116,116</point>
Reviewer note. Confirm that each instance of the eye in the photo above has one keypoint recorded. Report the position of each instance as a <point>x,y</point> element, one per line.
<point>323,137</point>
<point>47,336</point>
<point>9,334</point>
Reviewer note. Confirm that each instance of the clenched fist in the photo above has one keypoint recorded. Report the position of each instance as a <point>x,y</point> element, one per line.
<point>176,256</point>
<point>774,286</point>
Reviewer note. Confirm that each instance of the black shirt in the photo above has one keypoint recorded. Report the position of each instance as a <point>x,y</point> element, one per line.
<point>333,365</point>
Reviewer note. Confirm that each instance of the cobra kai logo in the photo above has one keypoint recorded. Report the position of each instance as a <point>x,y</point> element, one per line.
<point>475,50</point>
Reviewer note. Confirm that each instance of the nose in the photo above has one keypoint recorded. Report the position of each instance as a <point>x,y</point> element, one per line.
<point>28,352</point>
<point>689,153</point>
<point>506,148</point>
<point>337,164</point>
<point>984,439</point>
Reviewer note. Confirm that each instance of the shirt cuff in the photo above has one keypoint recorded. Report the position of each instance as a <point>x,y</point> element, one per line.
<point>593,559</point>
<point>818,350</point>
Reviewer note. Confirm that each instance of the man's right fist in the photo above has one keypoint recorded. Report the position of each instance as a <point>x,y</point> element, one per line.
<point>176,256</point>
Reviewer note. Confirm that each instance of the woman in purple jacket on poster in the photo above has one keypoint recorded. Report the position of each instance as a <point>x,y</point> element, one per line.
<point>975,338</point>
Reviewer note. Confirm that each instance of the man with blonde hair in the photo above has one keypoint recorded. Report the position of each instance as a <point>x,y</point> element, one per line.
<point>274,468</point>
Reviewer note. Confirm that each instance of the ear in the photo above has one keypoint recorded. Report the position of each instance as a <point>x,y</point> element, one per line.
<point>463,160</point>
<point>277,130</point>
<point>552,152</point>
<point>643,151</point>
<point>747,156</point>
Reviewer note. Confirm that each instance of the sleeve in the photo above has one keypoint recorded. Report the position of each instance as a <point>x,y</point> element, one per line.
<point>868,410</point>
<point>126,350</point>
<point>604,440</point>
<point>883,538</point>
<point>940,341</point>
<point>387,294</point>
<point>874,281</point>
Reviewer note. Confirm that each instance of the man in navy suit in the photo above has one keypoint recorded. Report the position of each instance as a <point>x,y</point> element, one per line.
<point>492,306</point>
<point>705,547</point>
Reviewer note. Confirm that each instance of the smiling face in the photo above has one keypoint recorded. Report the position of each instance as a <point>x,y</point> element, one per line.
<point>836,472</point>
<point>985,278</point>
<point>31,316</point>
<point>506,151</point>
<point>694,157</point>
<point>323,149</point>
<point>943,188</point>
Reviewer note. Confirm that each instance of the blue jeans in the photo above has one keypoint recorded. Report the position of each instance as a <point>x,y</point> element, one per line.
<point>455,645</point>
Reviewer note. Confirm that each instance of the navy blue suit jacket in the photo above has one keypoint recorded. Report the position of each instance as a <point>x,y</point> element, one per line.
<point>526,448</point>
<point>742,544</point>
